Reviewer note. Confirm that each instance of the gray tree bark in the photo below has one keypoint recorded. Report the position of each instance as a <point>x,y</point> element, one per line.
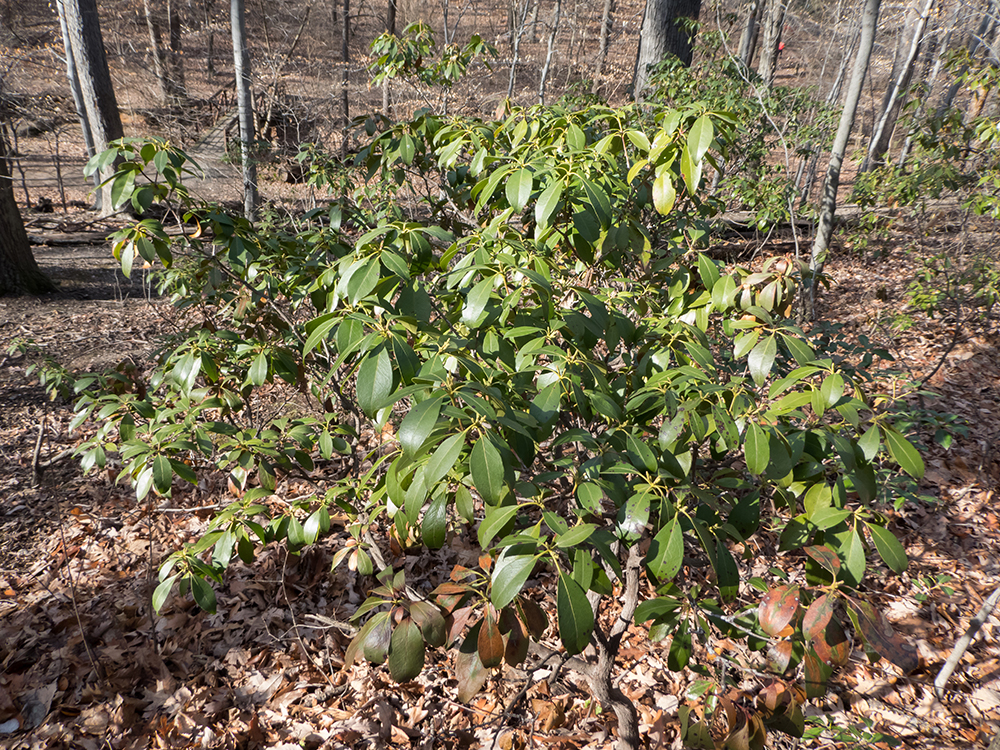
<point>602,50</point>
<point>906,58</point>
<point>74,86</point>
<point>773,24</point>
<point>828,203</point>
<point>19,273</point>
<point>664,32</point>
<point>556,15</point>
<point>974,44</point>
<point>241,65</point>
<point>83,29</point>
<point>748,40</point>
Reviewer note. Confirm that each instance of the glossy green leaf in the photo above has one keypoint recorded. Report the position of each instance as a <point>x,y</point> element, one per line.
<point>374,383</point>
<point>204,594</point>
<point>576,618</point>
<point>494,521</point>
<point>435,524</point>
<point>664,193</point>
<point>518,189</point>
<point>757,448</point>
<point>418,424</point>
<point>666,551</point>
<point>700,137</point>
<point>548,202</point>
<point>487,471</point>
<point>163,475</point>
<point>509,573</point>
<point>761,359</point>
<point>443,459</point>
<point>889,548</point>
<point>406,651</point>
<point>903,452</point>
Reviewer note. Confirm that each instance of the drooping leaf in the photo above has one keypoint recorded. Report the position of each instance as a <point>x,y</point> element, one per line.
<point>204,594</point>
<point>374,382</point>
<point>761,359</point>
<point>664,193</point>
<point>487,470</point>
<point>903,452</point>
<point>512,569</point>
<point>825,557</point>
<point>889,548</point>
<point>377,641</point>
<point>518,188</point>
<point>547,203</point>
<point>777,609</point>
<point>406,651</point>
<point>679,653</point>
<point>490,642</point>
<point>666,551</point>
<point>432,623</point>
<point>700,137</point>
<point>469,670</point>
<point>418,424</point>
<point>757,448</point>
<point>435,523</point>
<point>881,637</point>
<point>817,616</point>
<point>831,644</point>
<point>576,618</point>
<point>817,674</point>
<point>163,475</point>
<point>496,518</point>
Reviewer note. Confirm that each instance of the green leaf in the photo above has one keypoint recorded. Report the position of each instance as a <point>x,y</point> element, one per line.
<point>204,594</point>
<point>690,171</point>
<point>548,201</point>
<point>418,424</point>
<point>708,271</point>
<point>869,443</point>
<point>443,459</point>
<point>476,302</point>
<point>852,550</point>
<point>700,137</point>
<point>374,382</point>
<point>435,523</point>
<point>757,449</point>
<point>258,370</point>
<point>493,523</point>
<point>575,535</point>
<point>889,548</point>
<point>406,651</point>
<point>666,551</point>
<point>511,570</point>
<point>761,358</point>
<point>679,654</point>
<point>163,475</point>
<point>576,618</point>
<point>903,452</point>
<point>487,471</point>
<point>664,193</point>
<point>518,189</point>
<point>162,591</point>
<point>802,352</point>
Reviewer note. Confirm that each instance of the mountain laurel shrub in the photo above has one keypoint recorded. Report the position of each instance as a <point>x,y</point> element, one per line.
<point>575,386</point>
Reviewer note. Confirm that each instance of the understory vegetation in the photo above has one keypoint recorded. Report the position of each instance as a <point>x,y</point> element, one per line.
<point>526,313</point>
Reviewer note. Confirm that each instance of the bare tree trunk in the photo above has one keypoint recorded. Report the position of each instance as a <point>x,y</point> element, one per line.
<point>241,67</point>
<point>18,270</point>
<point>938,56</point>
<point>828,204</point>
<point>156,52</point>
<point>748,40</point>
<point>664,32</point>
<point>882,133</point>
<point>210,40</point>
<point>773,24</point>
<point>74,85</point>
<point>390,19</point>
<point>556,14</point>
<point>602,50</point>
<point>515,57</point>
<point>83,28</point>
<point>176,56</point>
<point>974,44</point>
<point>534,20</point>
<point>345,56</point>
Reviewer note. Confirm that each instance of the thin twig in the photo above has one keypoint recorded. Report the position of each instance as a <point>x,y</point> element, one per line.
<point>963,643</point>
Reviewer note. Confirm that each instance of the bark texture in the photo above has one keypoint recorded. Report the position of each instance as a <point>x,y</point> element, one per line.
<point>828,203</point>
<point>664,32</point>
<point>772,25</point>
<point>19,273</point>
<point>83,29</point>
<point>241,63</point>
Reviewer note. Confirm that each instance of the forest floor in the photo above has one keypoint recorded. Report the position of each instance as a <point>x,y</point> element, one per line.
<point>85,663</point>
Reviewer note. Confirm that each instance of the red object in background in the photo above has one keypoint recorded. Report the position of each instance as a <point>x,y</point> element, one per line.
<point>781,46</point>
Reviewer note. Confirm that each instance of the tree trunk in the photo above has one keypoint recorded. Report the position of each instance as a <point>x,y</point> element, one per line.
<point>773,24</point>
<point>19,273</point>
<point>556,14</point>
<point>602,50</point>
<point>900,81</point>
<point>748,40</point>
<point>241,67</point>
<point>210,41</point>
<point>974,43</point>
<point>176,56</point>
<point>828,204</point>
<point>516,53</point>
<point>390,19</point>
<point>74,86</point>
<point>156,52</point>
<point>345,56</point>
<point>664,32</point>
<point>83,28</point>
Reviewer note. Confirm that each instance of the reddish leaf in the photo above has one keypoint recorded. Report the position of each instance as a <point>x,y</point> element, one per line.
<point>778,608</point>
<point>880,636</point>
<point>470,673</point>
<point>456,622</point>
<point>831,644</point>
<point>825,557</point>
<point>533,617</point>
<point>490,642</point>
<point>779,656</point>
<point>817,616</point>
<point>516,650</point>
<point>817,674</point>
<point>774,697</point>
